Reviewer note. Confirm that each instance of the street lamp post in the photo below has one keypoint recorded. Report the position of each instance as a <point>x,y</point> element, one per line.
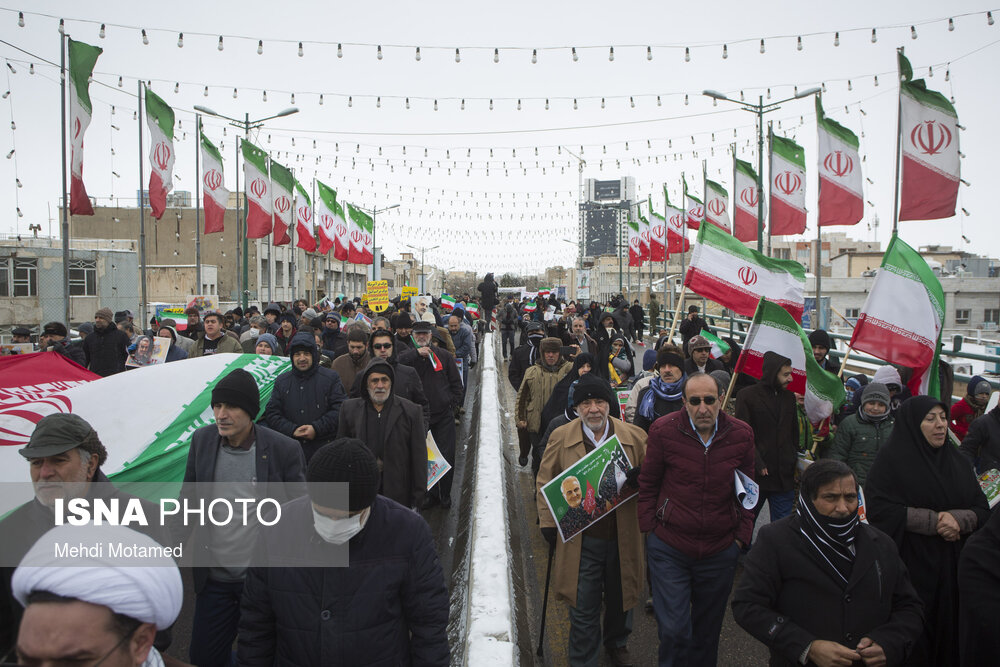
<point>246,125</point>
<point>759,110</point>
<point>423,280</point>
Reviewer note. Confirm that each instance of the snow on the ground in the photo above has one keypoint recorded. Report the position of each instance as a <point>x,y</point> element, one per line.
<point>490,639</point>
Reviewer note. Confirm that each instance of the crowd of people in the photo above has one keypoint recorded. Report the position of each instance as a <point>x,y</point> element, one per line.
<point>882,550</point>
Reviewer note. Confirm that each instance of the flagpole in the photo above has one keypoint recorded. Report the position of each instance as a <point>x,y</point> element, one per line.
<point>760,174</point>
<point>315,296</point>
<point>142,215</point>
<point>735,193</point>
<point>770,136</point>
<point>677,310</point>
<point>270,245</point>
<point>666,255</point>
<point>65,198</point>
<point>704,191</point>
<point>239,275</point>
<point>729,389</point>
<point>899,129</point>
<point>197,204</point>
<point>843,362</point>
<point>684,232</point>
<point>292,248</point>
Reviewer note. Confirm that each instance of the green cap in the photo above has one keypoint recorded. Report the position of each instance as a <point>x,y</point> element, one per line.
<point>55,434</point>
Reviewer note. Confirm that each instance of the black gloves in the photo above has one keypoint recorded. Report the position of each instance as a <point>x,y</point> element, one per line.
<point>632,476</point>
<point>550,536</point>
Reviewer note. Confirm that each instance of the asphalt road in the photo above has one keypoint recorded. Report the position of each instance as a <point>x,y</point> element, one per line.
<point>530,554</point>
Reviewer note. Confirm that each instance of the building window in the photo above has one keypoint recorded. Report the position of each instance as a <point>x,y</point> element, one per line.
<point>279,272</point>
<point>852,313</point>
<point>25,277</point>
<point>265,273</point>
<point>83,277</point>
<point>4,276</point>
<point>992,315</point>
<point>962,315</point>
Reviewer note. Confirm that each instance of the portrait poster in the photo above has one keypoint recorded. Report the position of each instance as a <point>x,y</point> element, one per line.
<point>149,351</point>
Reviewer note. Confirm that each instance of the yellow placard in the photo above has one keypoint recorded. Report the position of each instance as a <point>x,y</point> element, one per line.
<point>409,292</point>
<point>378,295</point>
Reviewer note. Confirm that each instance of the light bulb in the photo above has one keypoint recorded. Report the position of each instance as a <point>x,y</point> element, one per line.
<point>658,102</point>
<point>260,47</point>
<point>378,102</point>
<point>930,72</point>
<point>220,43</point>
<point>293,98</point>
<point>119,82</point>
<point>6,94</point>
<point>575,107</point>
<point>768,93</point>
<point>546,104</point>
<point>31,68</point>
<point>340,50</point>
<point>145,39</point>
<point>206,91</point>
<point>102,33</point>
<point>687,54</point>
<point>408,106</point>
<point>798,44</point>
<point>725,51</point>
<point>350,101</point>
<point>265,96</point>
<point>989,18</point>
<point>632,101</point>
<point>62,26</point>
<point>463,104</point>
<point>10,154</point>
<point>874,36</point>
<point>417,55</point>
<point>496,55</point>
<point>823,86</point>
<point>611,54</point>
<point>20,19</point>
<point>177,87</point>
<point>458,56</point>
<point>491,104</point>
<point>519,105</point>
<point>534,56</point>
<point>435,105</point>
<point>234,93</point>
<point>301,50</point>
<point>321,99</point>
<point>762,46</point>
<point>951,25</point>
<point>947,74</point>
<point>913,32</point>
<point>649,53</point>
<point>13,126</point>
<point>836,39</point>
<point>180,40</point>
<point>576,57</point>
<point>378,53</point>
<point>602,102</point>
<point>686,100</point>
<point>849,85</point>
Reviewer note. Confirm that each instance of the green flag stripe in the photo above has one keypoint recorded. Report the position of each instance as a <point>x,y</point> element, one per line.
<point>302,193</point>
<point>712,185</point>
<point>928,98</point>
<point>281,176</point>
<point>161,112</point>
<point>789,151</point>
<point>82,58</point>
<point>833,127</point>
<point>907,263</point>
<point>746,169</point>
<point>210,148</point>
<point>254,156</point>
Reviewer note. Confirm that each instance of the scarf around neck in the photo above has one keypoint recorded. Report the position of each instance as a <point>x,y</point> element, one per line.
<point>833,539</point>
<point>658,389</point>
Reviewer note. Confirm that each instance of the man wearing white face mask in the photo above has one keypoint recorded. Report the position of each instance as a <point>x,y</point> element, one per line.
<point>389,605</point>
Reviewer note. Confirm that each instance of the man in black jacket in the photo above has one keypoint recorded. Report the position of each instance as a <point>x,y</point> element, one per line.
<point>405,382</point>
<point>393,428</point>
<point>638,321</point>
<point>692,325</point>
<point>443,386</point>
<point>305,401</point>
<point>770,410</point>
<point>387,606</point>
<point>107,348</point>
<point>821,588</point>
<point>334,339</point>
<point>821,344</point>
<point>525,356</point>
<point>507,320</point>
<point>700,357</point>
<point>54,338</point>
<point>982,443</point>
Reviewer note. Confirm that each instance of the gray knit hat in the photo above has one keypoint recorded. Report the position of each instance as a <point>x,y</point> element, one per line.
<point>876,391</point>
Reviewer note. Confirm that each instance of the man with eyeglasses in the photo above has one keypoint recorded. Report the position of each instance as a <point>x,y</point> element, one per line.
<point>694,524</point>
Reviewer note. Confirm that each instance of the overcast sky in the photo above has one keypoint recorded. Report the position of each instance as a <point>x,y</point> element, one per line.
<point>514,217</point>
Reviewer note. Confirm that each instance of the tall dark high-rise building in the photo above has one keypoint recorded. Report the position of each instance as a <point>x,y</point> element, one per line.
<point>605,206</point>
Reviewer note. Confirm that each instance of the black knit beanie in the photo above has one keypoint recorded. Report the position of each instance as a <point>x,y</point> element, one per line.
<point>239,389</point>
<point>343,460</point>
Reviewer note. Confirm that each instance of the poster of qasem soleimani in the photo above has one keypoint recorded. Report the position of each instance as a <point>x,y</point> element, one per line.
<point>590,489</point>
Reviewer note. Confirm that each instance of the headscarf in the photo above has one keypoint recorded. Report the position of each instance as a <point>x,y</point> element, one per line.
<point>622,354</point>
<point>831,538</point>
<point>908,472</point>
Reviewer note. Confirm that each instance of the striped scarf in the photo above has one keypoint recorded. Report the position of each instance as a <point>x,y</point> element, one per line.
<point>832,538</point>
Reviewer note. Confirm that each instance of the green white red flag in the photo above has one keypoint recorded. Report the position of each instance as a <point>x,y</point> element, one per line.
<point>841,196</point>
<point>717,205</point>
<point>305,237</point>
<point>773,329</point>
<point>258,191</point>
<point>657,234</point>
<point>82,58</point>
<point>472,309</point>
<point>216,196</point>
<point>362,232</point>
<point>694,208</point>
<point>435,361</point>
<point>677,227</point>
<point>931,167</point>
<point>332,225</point>
<point>282,198</point>
<point>788,187</point>
<point>447,302</point>
<point>745,223</point>
<point>634,244</point>
<point>902,317</point>
<point>530,307</point>
<point>644,228</point>
<point>736,277</point>
<point>160,119</point>
<point>719,346</point>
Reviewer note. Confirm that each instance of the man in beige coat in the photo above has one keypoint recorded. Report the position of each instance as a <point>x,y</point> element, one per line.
<point>536,388</point>
<point>606,562</point>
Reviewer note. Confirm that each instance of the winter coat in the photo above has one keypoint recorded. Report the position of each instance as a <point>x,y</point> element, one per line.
<point>710,365</point>
<point>405,383</point>
<point>106,350</point>
<point>507,318</point>
<point>490,292</point>
<point>389,606</point>
<point>539,381</point>
<point>566,447</point>
<point>311,397</point>
<point>69,349</point>
<point>686,490</point>
<point>978,602</point>
<point>227,345</point>
<point>787,599</point>
<point>638,316</point>
<point>335,341</point>
<point>654,313</point>
<point>962,415</point>
<point>660,407</point>
<point>464,343</point>
<point>771,413</point>
<point>857,442</point>
<point>348,369</point>
<point>691,327</point>
<point>522,358</point>
<point>982,443</point>
<point>443,388</point>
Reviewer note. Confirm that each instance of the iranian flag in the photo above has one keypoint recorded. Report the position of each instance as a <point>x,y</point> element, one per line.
<point>929,138</point>
<point>82,58</point>
<point>745,224</point>
<point>644,227</point>
<point>282,188</point>
<point>447,302</point>
<point>694,208</point>
<point>332,225</point>
<point>530,307</point>
<point>258,191</point>
<point>160,118</point>
<point>841,198</point>
<point>773,329</point>
<point>216,196</point>
<point>736,277</point>
<point>305,238</point>
<point>719,346</point>
<point>435,361</point>
<point>362,234</point>
<point>788,187</point>
<point>677,240</point>
<point>544,292</point>
<point>657,235</point>
<point>472,309</point>
<point>902,316</point>
<point>717,205</point>
<point>634,244</point>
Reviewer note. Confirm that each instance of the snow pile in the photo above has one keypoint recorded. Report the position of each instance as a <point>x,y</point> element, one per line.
<point>490,639</point>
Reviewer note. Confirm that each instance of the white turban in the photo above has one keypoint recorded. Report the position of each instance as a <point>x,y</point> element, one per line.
<point>148,589</point>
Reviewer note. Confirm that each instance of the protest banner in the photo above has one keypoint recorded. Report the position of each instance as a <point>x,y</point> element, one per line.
<point>148,351</point>
<point>590,489</point>
<point>175,313</point>
<point>203,302</point>
<point>437,464</point>
<point>408,292</point>
<point>378,295</point>
<point>990,483</point>
<point>623,399</point>
<point>8,349</point>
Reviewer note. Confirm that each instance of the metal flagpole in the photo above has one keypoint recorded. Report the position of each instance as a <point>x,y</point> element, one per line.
<point>770,212</point>
<point>732,209</point>
<point>666,255</point>
<point>65,197</point>
<point>684,231</point>
<point>899,129</point>
<point>142,217</point>
<point>197,204</point>
<point>239,274</point>
<point>292,231</point>
<point>760,174</point>
<point>270,237</point>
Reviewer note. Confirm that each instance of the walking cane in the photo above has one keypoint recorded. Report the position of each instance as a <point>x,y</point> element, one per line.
<point>545,602</point>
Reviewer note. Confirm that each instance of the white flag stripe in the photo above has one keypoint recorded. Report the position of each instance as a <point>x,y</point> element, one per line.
<point>773,285</point>
<point>902,302</point>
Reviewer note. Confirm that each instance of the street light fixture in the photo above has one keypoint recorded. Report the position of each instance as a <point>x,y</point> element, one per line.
<point>246,125</point>
<point>423,281</point>
<point>759,110</point>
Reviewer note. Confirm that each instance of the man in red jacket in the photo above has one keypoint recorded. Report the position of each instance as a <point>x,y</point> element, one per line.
<point>695,525</point>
